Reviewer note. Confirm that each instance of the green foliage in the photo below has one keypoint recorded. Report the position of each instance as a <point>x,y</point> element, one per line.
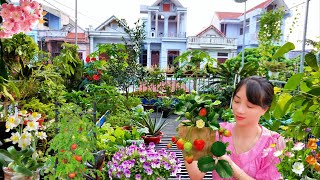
<point>18,52</point>
<point>143,119</point>
<point>112,139</point>
<point>36,105</point>
<point>69,65</point>
<point>189,105</point>
<point>301,99</point>
<point>222,167</point>
<point>74,129</point>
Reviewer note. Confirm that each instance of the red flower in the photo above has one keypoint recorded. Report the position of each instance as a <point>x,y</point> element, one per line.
<point>93,59</point>
<point>87,59</point>
<point>96,77</point>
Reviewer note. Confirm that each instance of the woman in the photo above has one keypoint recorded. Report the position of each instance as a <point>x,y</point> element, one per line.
<point>252,146</point>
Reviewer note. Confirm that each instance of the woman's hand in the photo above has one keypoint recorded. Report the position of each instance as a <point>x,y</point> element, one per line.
<point>226,158</point>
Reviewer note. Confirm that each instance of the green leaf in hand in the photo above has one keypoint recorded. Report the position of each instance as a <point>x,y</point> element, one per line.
<point>224,169</point>
<point>218,149</point>
<point>206,163</point>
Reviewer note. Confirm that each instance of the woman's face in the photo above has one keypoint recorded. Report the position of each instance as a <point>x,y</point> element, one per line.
<point>245,112</point>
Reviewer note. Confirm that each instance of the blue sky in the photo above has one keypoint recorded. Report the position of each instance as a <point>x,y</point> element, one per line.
<point>200,12</point>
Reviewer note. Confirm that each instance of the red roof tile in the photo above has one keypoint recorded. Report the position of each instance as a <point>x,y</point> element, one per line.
<point>211,27</point>
<point>80,36</point>
<point>234,15</point>
<point>228,15</point>
<point>261,5</point>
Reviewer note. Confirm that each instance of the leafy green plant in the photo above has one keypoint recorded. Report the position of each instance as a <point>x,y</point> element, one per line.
<point>152,125</point>
<point>73,145</point>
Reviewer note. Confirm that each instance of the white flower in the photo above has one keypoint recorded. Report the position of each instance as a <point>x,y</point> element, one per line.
<point>34,116</point>
<point>298,168</point>
<point>277,153</point>
<point>41,135</point>
<point>26,137</point>
<point>200,123</point>
<point>13,121</point>
<point>23,113</point>
<point>298,146</point>
<point>15,137</point>
<point>32,126</point>
<point>23,143</point>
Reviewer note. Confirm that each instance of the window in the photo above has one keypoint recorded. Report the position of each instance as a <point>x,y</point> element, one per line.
<point>223,28</point>
<point>241,30</point>
<point>171,56</point>
<point>143,58</point>
<point>222,57</point>
<point>80,54</point>
<point>166,7</point>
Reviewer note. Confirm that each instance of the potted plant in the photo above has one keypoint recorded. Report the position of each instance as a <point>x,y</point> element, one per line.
<point>166,105</point>
<point>23,160</point>
<point>143,162</point>
<point>197,133</point>
<point>151,126</point>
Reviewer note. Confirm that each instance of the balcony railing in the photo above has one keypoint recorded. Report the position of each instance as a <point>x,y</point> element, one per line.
<point>52,33</point>
<point>193,40</point>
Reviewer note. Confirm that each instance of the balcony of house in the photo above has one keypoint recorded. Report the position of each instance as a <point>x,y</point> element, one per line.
<point>52,33</point>
<point>195,42</point>
<point>250,39</point>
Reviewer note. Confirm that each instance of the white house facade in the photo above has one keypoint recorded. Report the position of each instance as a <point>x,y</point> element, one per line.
<point>231,23</point>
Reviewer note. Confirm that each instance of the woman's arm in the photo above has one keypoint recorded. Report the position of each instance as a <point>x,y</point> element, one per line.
<point>193,171</point>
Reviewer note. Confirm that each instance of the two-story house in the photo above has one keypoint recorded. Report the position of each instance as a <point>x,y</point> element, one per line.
<point>231,23</point>
<point>58,28</point>
<point>166,32</point>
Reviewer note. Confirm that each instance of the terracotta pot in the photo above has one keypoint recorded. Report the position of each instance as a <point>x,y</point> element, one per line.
<point>10,174</point>
<point>155,139</point>
<point>190,134</point>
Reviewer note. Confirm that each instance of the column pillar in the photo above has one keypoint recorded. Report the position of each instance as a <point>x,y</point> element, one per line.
<point>156,29</point>
<point>148,55</point>
<point>178,25</point>
<point>166,22</point>
<point>91,44</point>
<point>149,24</point>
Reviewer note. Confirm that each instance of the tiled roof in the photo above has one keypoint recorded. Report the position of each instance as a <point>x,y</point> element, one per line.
<point>81,37</point>
<point>211,27</point>
<point>228,15</point>
<point>234,15</point>
<point>261,5</point>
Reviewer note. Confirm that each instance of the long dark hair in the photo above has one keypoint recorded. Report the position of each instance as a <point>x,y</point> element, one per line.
<point>259,90</point>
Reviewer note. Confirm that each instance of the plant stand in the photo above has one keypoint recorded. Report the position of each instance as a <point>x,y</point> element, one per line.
<point>155,139</point>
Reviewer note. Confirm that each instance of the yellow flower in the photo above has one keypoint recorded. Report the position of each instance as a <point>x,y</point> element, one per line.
<point>200,123</point>
<point>284,128</point>
<point>276,90</point>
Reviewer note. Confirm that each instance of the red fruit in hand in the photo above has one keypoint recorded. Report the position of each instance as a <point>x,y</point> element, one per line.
<point>180,144</point>
<point>189,159</point>
<point>199,144</point>
<point>203,112</point>
<point>169,145</point>
<point>74,146</point>
<point>226,133</point>
<point>173,139</point>
<point>221,130</point>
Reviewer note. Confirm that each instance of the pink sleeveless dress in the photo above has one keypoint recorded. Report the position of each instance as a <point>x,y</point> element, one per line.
<point>259,162</point>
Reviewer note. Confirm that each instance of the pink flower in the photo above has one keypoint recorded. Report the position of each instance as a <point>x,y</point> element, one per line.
<point>266,151</point>
<point>298,146</point>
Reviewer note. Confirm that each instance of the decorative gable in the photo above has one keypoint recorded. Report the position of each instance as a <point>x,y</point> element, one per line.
<point>113,24</point>
<point>210,31</point>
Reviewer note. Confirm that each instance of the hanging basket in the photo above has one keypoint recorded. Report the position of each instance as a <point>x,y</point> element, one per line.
<point>190,134</point>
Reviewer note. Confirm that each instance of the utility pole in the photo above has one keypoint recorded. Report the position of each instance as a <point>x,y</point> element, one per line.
<point>304,36</point>
<point>76,23</point>
<point>243,30</point>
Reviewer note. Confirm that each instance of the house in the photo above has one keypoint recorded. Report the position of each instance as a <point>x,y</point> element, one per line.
<point>58,28</point>
<point>214,42</point>
<point>165,32</point>
<point>231,23</point>
<point>110,31</point>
